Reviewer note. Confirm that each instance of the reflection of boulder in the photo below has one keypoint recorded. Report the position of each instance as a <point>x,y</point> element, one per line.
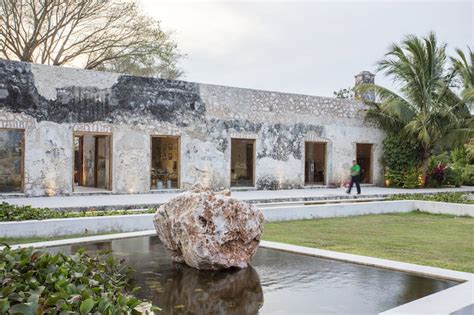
<point>232,291</point>
<point>208,230</point>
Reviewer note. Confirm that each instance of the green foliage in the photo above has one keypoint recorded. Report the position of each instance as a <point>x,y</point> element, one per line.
<point>400,153</point>
<point>464,66</point>
<point>459,162</point>
<point>460,156</point>
<point>34,282</point>
<point>104,35</point>
<point>450,168</point>
<point>426,110</point>
<point>468,175</point>
<point>452,177</point>
<point>452,197</point>
<point>21,213</point>
<point>404,179</point>
<point>402,159</point>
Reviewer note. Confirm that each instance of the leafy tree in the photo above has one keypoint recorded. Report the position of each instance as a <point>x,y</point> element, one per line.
<point>94,34</point>
<point>426,109</point>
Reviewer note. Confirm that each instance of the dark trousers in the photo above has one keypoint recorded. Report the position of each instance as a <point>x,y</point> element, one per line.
<point>354,180</point>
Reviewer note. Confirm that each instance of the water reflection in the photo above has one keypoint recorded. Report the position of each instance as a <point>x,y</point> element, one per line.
<point>291,283</point>
<point>203,292</point>
<point>179,289</point>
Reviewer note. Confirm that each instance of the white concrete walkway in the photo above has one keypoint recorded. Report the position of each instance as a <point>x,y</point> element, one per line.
<point>148,200</point>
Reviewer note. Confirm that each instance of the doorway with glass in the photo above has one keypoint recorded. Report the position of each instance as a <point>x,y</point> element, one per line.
<point>92,162</point>
<point>315,163</point>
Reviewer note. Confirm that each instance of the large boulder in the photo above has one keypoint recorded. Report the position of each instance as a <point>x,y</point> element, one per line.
<point>208,230</point>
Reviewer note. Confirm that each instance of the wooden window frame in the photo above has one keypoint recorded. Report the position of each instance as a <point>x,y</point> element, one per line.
<point>325,180</point>
<point>371,180</point>
<point>22,159</point>
<point>88,133</point>
<point>254,172</point>
<point>151,160</point>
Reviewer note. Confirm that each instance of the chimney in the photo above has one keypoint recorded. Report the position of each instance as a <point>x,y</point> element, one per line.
<point>365,77</point>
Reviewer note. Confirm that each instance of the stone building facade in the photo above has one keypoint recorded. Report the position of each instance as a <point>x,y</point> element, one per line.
<point>126,134</point>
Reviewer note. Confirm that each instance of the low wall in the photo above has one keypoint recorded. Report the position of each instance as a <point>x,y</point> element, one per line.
<point>71,226</point>
<point>336,210</point>
<point>286,213</point>
<point>142,222</point>
<point>458,209</point>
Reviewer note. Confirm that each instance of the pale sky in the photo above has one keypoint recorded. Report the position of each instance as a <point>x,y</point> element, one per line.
<point>308,47</point>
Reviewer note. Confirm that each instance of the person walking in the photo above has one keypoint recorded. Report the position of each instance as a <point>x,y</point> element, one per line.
<point>355,177</point>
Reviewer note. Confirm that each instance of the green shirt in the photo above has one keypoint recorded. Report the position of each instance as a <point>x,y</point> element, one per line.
<point>355,170</point>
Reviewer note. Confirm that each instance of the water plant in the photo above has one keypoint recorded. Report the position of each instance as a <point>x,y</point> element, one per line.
<point>21,213</point>
<point>36,282</point>
<point>452,197</point>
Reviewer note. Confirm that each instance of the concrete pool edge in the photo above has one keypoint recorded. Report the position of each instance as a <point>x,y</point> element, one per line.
<point>447,301</point>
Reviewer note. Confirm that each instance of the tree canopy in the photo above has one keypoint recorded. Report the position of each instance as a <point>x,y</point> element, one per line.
<point>110,35</point>
<point>426,109</point>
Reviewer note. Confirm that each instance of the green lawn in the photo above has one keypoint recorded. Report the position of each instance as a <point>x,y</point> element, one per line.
<point>427,239</point>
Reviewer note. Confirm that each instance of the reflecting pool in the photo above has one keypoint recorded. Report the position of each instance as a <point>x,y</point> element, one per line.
<point>277,283</point>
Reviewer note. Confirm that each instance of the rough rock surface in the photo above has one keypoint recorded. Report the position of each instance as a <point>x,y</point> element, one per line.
<point>208,230</point>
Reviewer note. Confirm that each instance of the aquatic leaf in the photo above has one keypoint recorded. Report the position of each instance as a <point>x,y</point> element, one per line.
<point>22,308</point>
<point>86,306</point>
<point>65,284</point>
<point>136,289</point>
<point>4,305</point>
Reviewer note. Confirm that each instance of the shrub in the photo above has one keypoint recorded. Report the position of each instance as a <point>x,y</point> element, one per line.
<point>448,168</point>
<point>468,175</point>
<point>35,282</point>
<point>452,197</point>
<point>460,156</point>
<point>402,159</point>
<point>21,213</point>
<point>452,176</point>
<point>268,182</point>
<point>404,179</point>
<point>400,153</point>
<point>437,175</point>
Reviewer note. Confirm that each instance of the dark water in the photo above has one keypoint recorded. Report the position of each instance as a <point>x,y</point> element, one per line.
<point>278,283</point>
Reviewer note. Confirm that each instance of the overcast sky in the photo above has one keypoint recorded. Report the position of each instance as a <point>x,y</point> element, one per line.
<point>309,47</point>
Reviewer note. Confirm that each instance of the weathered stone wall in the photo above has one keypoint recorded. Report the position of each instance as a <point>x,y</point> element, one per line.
<point>282,122</point>
<point>52,103</point>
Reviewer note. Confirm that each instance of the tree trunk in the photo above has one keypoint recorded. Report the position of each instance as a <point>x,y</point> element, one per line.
<point>424,165</point>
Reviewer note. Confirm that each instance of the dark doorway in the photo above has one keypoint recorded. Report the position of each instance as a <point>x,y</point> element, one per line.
<point>242,163</point>
<point>315,163</point>
<point>364,159</point>
<point>92,162</point>
<point>11,160</point>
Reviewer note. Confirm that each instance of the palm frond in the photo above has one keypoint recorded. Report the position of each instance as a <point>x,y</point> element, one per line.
<point>426,109</point>
<point>468,94</point>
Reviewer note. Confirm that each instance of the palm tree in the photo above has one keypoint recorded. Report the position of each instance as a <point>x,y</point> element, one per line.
<point>465,70</point>
<point>425,109</point>
<point>464,66</point>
